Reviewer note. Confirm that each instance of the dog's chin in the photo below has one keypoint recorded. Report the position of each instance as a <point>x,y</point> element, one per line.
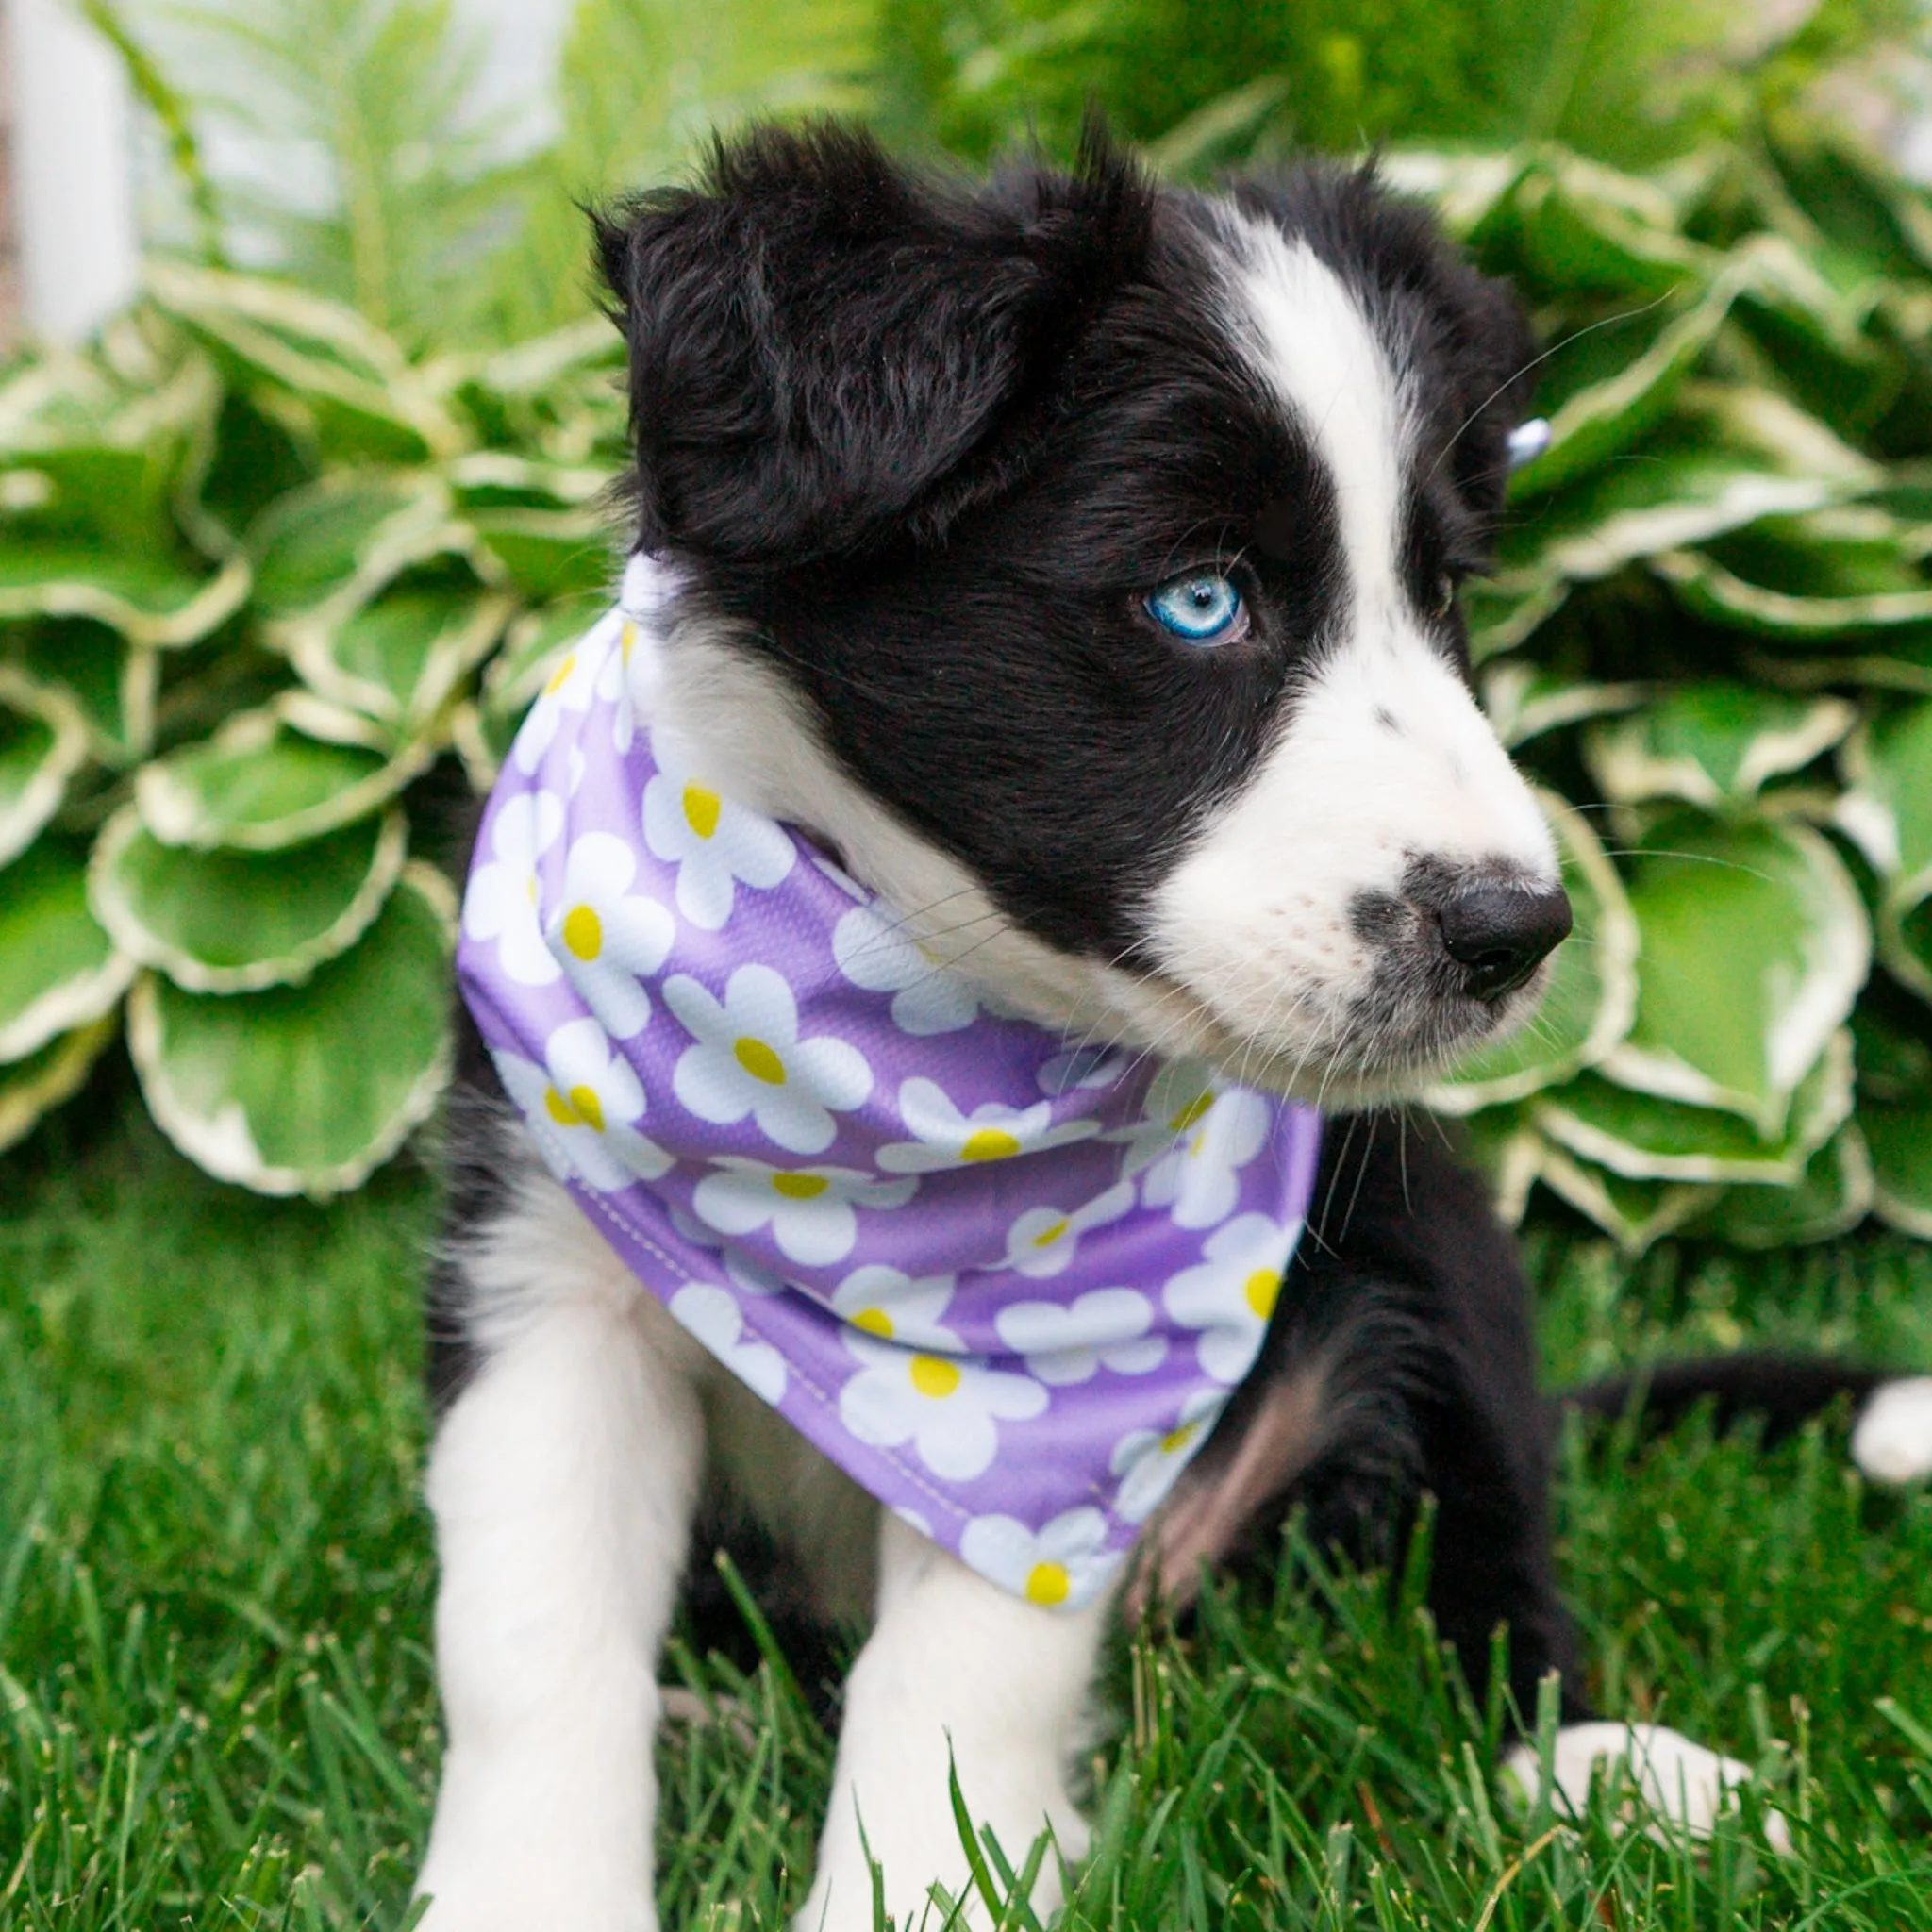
<point>1366,1058</point>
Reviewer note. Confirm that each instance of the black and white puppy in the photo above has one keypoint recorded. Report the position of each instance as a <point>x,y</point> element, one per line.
<point>924,452</point>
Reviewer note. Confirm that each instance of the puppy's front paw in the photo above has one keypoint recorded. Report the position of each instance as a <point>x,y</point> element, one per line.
<point>483,1875</point>
<point>1679,1780</point>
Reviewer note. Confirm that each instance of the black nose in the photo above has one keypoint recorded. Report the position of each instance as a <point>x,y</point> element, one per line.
<point>1499,934</point>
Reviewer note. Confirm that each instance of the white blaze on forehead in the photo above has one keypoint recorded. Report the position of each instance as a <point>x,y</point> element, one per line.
<point>1307,338</point>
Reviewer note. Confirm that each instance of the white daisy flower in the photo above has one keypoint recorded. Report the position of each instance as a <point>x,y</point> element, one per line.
<point>810,1210</point>
<point>712,1315</point>
<point>1150,1462</point>
<point>1043,1240</point>
<point>1176,1099</point>
<point>715,842</point>
<point>583,1104</point>
<point>749,1060</point>
<point>1063,1558</point>
<point>1198,1178</point>
<point>614,684</point>
<point>928,996</point>
<point>500,902</point>
<point>947,1138</point>
<point>897,1307</point>
<point>1065,1343</point>
<point>949,1410</point>
<point>1230,1295</point>
<point>605,937</point>
<point>570,688</point>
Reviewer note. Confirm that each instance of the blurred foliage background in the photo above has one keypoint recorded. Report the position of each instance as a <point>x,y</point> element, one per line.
<point>284,557</point>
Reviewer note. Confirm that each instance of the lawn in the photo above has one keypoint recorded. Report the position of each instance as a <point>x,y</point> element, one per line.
<point>215,1578</point>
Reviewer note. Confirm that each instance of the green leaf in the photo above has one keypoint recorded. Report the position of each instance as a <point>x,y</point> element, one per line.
<point>399,658</point>
<point>305,1088</point>
<point>1724,455</point>
<point>42,743</point>
<point>34,1086</point>
<point>1900,1136</point>
<point>235,922</point>
<point>150,601</point>
<point>1830,1198</point>
<point>111,684</point>
<point>1887,809</point>
<point>488,479</point>
<point>1644,1137</point>
<point>57,968</point>
<point>1755,943</point>
<point>1592,989</point>
<point>1505,611</point>
<point>1524,700</point>
<point>1593,423</point>
<point>350,386</point>
<point>259,785</point>
<point>1582,227</point>
<point>322,552</point>
<point>551,553</point>
<point>1635,1214</point>
<point>531,649</point>
<point>1714,744</point>
<point>1502,1145</point>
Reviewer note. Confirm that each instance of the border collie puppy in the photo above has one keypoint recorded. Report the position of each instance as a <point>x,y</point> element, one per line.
<point>1031,776</point>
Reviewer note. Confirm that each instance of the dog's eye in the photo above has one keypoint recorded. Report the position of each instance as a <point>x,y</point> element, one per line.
<point>1200,608</point>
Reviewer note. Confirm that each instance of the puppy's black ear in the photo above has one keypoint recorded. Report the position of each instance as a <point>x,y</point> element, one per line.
<point>827,352</point>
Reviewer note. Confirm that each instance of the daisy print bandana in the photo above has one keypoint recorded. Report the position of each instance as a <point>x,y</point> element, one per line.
<point>1004,1280</point>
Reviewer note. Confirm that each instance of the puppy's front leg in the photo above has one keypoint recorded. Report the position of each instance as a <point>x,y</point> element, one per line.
<point>562,1481</point>
<point>953,1662</point>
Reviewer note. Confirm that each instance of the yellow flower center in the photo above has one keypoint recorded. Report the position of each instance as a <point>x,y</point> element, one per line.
<point>1051,1233</point>
<point>583,931</point>
<point>1048,1584</point>
<point>799,1187</point>
<point>626,640</point>
<point>989,1143</point>
<point>579,1107</point>
<point>1176,1439</point>
<point>1191,1112</point>
<point>1263,1285</point>
<point>701,809</point>
<point>875,1322</point>
<point>759,1061</point>
<point>560,676</point>
<point>933,1376</point>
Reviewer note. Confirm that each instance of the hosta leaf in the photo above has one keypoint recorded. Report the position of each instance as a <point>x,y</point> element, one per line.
<point>1900,1136</point>
<point>550,553</point>
<point>1832,1195</point>
<point>258,785</point>
<point>57,968</point>
<point>37,1084</point>
<point>42,743</point>
<point>1644,1137</point>
<point>235,922</point>
<point>530,649</point>
<point>1503,1144</point>
<point>399,657</point>
<point>1463,187</point>
<point>1726,455</point>
<point>1712,743</point>
<point>153,601</point>
<point>322,552</point>
<point>355,391</point>
<point>1635,1214</point>
<point>1755,943</point>
<point>1591,424</point>
<point>496,479</point>
<point>1579,226</point>
<point>1505,611</point>
<point>1593,990</point>
<point>110,683</point>
<point>1904,944</point>
<point>1524,700</point>
<point>1887,810</point>
<point>305,1088</point>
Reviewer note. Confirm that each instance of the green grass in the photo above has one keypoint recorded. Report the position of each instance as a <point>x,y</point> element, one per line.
<point>215,1578</point>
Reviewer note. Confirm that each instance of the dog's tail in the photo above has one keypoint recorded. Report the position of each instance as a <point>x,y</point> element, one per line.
<point>1892,1439</point>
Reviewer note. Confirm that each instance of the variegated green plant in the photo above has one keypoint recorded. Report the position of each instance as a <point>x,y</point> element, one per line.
<point>261,574</point>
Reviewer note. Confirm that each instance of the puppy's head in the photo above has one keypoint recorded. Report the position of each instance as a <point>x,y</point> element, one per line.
<point>1079,556</point>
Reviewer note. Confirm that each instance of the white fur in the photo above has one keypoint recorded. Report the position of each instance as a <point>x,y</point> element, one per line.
<point>1387,758</point>
<point>955,1665</point>
<point>1893,1442</point>
<point>1680,1781</point>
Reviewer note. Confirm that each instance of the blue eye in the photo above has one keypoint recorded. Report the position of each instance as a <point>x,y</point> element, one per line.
<point>1202,608</point>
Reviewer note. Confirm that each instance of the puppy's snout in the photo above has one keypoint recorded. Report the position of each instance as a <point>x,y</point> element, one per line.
<point>1500,932</point>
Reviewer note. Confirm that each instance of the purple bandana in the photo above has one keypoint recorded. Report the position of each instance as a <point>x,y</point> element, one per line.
<point>1005,1281</point>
